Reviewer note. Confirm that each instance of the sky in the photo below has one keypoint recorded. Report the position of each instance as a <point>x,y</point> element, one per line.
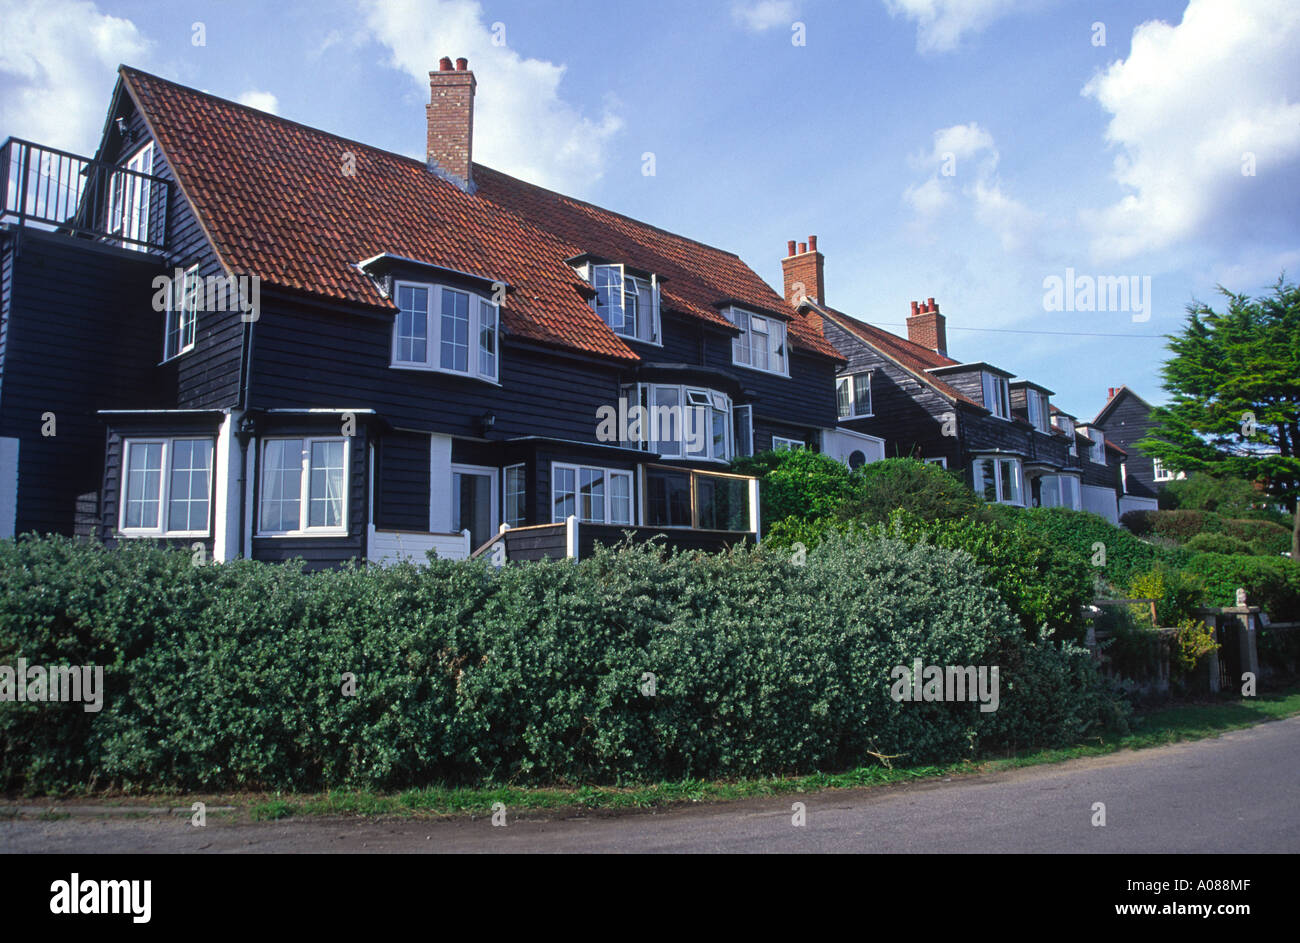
<point>973,151</point>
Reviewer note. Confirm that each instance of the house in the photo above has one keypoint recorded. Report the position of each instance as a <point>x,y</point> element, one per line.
<point>1126,419</point>
<point>273,342</point>
<point>1001,434</point>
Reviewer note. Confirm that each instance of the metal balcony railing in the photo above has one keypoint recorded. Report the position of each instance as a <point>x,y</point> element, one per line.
<point>49,188</point>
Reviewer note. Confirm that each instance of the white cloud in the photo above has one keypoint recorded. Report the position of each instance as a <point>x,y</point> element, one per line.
<point>262,101</point>
<point>964,161</point>
<point>942,24</point>
<point>58,64</point>
<point>765,14</point>
<point>521,124</point>
<point>1185,106</point>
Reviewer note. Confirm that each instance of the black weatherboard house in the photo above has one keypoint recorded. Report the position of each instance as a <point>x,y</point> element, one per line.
<point>1002,434</point>
<point>256,336</point>
<point>1126,419</point>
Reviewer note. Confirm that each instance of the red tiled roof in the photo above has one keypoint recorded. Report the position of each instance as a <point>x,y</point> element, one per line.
<point>274,201</point>
<point>911,356</point>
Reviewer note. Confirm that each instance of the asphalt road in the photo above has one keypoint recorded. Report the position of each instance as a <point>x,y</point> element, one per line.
<point>1236,793</point>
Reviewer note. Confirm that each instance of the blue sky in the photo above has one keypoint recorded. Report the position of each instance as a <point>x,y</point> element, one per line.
<point>1122,159</point>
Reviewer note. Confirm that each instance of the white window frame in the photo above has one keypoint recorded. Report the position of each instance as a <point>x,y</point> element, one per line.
<point>1098,451</point>
<point>182,316</point>
<point>743,431</point>
<point>481,311</point>
<point>997,395</point>
<point>646,327</point>
<point>1160,473</point>
<point>609,474</point>
<point>995,463</point>
<point>777,341</point>
<point>164,486</point>
<point>507,494</point>
<point>941,461</point>
<point>1037,408</point>
<point>1057,484</point>
<point>304,487</point>
<point>1066,425</point>
<point>688,398</point>
<point>128,199</point>
<point>850,380</point>
<point>781,443</point>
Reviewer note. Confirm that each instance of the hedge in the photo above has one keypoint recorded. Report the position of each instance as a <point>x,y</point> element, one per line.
<point>1182,526</point>
<point>1272,583</point>
<point>229,676</point>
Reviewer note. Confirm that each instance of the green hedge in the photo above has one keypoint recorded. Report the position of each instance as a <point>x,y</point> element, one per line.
<point>1183,526</point>
<point>1272,583</point>
<point>229,676</point>
<point>1078,533</point>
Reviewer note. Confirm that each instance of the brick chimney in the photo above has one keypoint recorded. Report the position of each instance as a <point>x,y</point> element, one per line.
<point>451,122</point>
<point>927,327</point>
<point>804,271</point>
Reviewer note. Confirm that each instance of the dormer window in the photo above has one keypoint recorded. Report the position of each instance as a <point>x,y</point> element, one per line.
<point>449,330</point>
<point>628,303</point>
<point>1036,402</point>
<point>1066,425</point>
<point>761,344</point>
<point>997,395</point>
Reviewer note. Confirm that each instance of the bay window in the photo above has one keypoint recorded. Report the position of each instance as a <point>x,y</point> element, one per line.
<point>998,480</point>
<point>682,421</point>
<point>1059,491</point>
<point>594,495</point>
<point>303,486</point>
<point>853,395</point>
<point>761,343</point>
<point>445,329</point>
<point>166,487</point>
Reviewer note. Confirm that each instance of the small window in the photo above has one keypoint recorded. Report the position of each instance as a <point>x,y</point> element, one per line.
<point>1036,403</point>
<point>782,444</point>
<point>304,486</point>
<point>940,461</point>
<point>445,329</point>
<point>743,421</point>
<point>1161,473</point>
<point>853,395</point>
<point>166,487</point>
<point>761,343</point>
<point>182,314</point>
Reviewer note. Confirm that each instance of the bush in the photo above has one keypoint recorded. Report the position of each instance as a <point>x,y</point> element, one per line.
<point>1264,537</point>
<point>930,492</point>
<point>1273,583</point>
<point>1219,543</point>
<point>231,676</point>
<point>1233,498</point>
<point>1178,595</point>
<point>1178,526</point>
<point>796,483</point>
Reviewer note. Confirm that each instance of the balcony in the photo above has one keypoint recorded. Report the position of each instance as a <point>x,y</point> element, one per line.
<point>122,205</point>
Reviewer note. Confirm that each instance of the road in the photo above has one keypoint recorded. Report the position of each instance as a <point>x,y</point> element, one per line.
<point>1236,793</point>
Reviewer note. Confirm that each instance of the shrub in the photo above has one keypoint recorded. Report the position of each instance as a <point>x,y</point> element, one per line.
<point>1080,533</point>
<point>1178,526</point>
<point>930,492</point>
<point>1177,594</point>
<point>231,675</point>
<point>1233,498</point>
<point>796,483</point>
<point>1219,543</point>
<point>1273,583</point>
<point>1264,537</point>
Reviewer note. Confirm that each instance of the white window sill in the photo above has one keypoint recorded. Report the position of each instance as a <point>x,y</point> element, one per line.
<point>858,416</point>
<point>176,356</point>
<point>422,368</point>
<point>304,533</point>
<point>162,535</point>
<point>771,373</point>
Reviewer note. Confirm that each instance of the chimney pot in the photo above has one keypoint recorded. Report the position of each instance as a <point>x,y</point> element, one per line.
<point>444,64</point>
<point>916,308</point>
<point>790,247</point>
<point>462,64</point>
<point>931,305</point>
<point>803,247</point>
<point>812,243</point>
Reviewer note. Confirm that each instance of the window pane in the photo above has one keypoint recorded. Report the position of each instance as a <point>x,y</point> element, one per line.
<point>608,282</point>
<point>985,484</point>
<point>487,339</point>
<point>281,484</point>
<point>564,491</point>
<point>667,420</point>
<point>516,497</point>
<point>740,348</point>
<point>326,495</point>
<point>472,505</point>
<point>620,498</point>
<point>720,420</point>
<point>862,394</point>
<point>842,397</point>
<point>591,497</point>
<point>187,498</point>
<point>455,330</point>
<point>412,324</point>
<point>668,498</point>
<point>143,484</point>
<point>758,351</point>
